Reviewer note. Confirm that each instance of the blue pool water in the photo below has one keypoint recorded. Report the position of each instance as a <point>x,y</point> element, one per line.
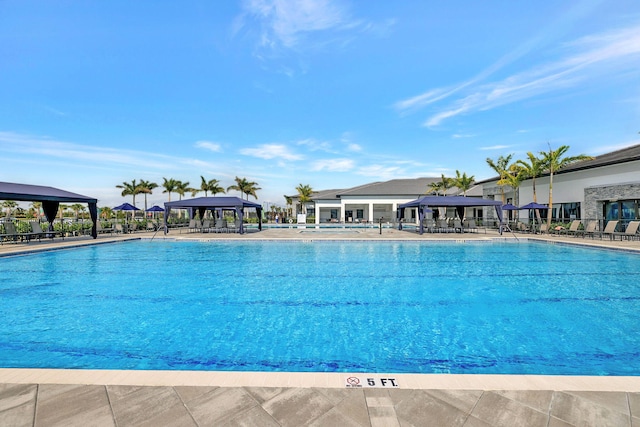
<point>423,307</point>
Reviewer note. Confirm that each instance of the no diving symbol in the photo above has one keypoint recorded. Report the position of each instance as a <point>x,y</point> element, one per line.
<point>353,381</point>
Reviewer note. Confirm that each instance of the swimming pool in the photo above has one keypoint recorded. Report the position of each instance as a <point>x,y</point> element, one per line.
<point>331,306</point>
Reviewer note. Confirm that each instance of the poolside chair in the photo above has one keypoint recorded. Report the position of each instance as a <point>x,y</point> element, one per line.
<point>610,229</point>
<point>469,225</point>
<point>573,228</point>
<point>457,226</point>
<point>37,232</point>
<point>118,228</point>
<point>101,230</point>
<point>206,226</point>
<point>221,225</point>
<point>10,232</point>
<point>631,232</point>
<point>589,230</point>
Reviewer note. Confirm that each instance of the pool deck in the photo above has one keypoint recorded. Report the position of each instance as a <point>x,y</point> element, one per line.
<point>52,397</point>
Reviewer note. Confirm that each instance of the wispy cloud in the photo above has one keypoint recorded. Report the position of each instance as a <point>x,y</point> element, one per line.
<point>315,145</point>
<point>495,147</point>
<point>289,23</point>
<point>272,151</point>
<point>381,172</point>
<point>333,165</point>
<point>208,145</point>
<point>586,59</point>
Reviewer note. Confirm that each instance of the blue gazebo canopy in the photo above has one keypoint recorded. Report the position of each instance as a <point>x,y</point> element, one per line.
<point>202,204</point>
<point>51,198</point>
<point>426,202</point>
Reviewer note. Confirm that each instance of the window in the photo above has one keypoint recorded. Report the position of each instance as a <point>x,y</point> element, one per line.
<point>334,213</point>
<point>360,213</point>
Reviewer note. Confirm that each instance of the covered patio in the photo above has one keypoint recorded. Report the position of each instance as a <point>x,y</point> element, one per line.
<point>51,198</point>
<point>214,204</point>
<point>459,202</point>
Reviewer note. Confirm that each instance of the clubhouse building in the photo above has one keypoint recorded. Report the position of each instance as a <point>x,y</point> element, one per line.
<point>605,188</point>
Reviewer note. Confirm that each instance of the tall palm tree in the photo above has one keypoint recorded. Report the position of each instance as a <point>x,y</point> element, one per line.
<point>554,161</point>
<point>169,186</point>
<point>501,167</point>
<point>146,187</point>
<point>304,195</point>
<point>514,177</point>
<point>130,189</point>
<point>106,212</point>
<point>532,169</point>
<point>443,185</point>
<point>463,182</point>
<point>77,208</point>
<point>181,188</point>
<point>213,186</point>
<point>245,187</point>
<point>289,201</point>
<point>9,206</point>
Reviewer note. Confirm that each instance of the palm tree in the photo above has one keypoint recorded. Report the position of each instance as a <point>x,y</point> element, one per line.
<point>146,187</point>
<point>553,162</point>
<point>289,201</point>
<point>169,186</point>
<point>213,186</point>
<point>245,187</point>
<point>443,185</point>
<point>532,169</point>
<point>181,188</point>
<point>130,189</point>
<point>9,206</point>
<point>304,195</point>
<point>77,207</point>
<point>514,177</point>
<point>106,212</point>
<point>463,182</point>
<point>501,167</point>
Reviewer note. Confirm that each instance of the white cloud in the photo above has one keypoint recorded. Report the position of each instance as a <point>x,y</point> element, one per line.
<point>495,147</point>
<point>333,165</point>
<point>354,147</point>
<point>313,145</point>
<point>301,24</point>
<point>587,59</point>
<point>271,151</point>
<point>208,145</point>
<point>381,172</point>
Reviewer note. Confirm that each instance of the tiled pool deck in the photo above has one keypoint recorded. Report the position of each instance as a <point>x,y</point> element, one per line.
<point>50,397</point>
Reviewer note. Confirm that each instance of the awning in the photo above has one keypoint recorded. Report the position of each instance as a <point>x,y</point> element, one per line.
<point>425,202</point>
<point>202,204</point>
<point>51,198</point>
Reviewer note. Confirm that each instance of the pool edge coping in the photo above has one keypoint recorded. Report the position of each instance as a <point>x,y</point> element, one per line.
<point>317,380</point>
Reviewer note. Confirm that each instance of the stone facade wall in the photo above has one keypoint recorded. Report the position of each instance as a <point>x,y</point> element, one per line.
<point>595,197</point>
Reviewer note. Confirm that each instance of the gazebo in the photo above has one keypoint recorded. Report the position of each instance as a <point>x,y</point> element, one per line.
<point>459,202</point>
<point>51,198</point>
<point>203,204</point>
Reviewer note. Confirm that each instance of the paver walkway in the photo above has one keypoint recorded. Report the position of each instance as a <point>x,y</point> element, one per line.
<point>98,405</point>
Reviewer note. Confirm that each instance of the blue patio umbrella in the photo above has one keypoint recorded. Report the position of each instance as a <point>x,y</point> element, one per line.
<point>510,207</point>
<point>154,209</point>
<point>126,207</point>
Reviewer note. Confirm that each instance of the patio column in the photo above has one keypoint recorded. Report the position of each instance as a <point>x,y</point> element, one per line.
<point>370,216</point>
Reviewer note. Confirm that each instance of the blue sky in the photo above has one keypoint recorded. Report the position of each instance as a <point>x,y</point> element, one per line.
<point>329,93</point>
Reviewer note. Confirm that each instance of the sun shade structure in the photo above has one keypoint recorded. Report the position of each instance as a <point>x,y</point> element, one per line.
<point>202,204</point>
<point>459,202</point>
<point>51,198</point>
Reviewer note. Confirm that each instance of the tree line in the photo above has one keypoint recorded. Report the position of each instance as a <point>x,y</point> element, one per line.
<point>212,186</point>
<point>513,173</point>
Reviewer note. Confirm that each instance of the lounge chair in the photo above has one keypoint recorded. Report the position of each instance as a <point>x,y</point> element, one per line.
<point>610,229</point>
<point>118,228</point>
<point>37,232</point>
<point>573,228</point>
<point>221,225</point>
<point>101,230</point>
<point>443,226</point>
<point>10,232</point>
<point>590,229</point>
<point>471,225</point>
<point>631,232</point>
<point>457,226</point>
